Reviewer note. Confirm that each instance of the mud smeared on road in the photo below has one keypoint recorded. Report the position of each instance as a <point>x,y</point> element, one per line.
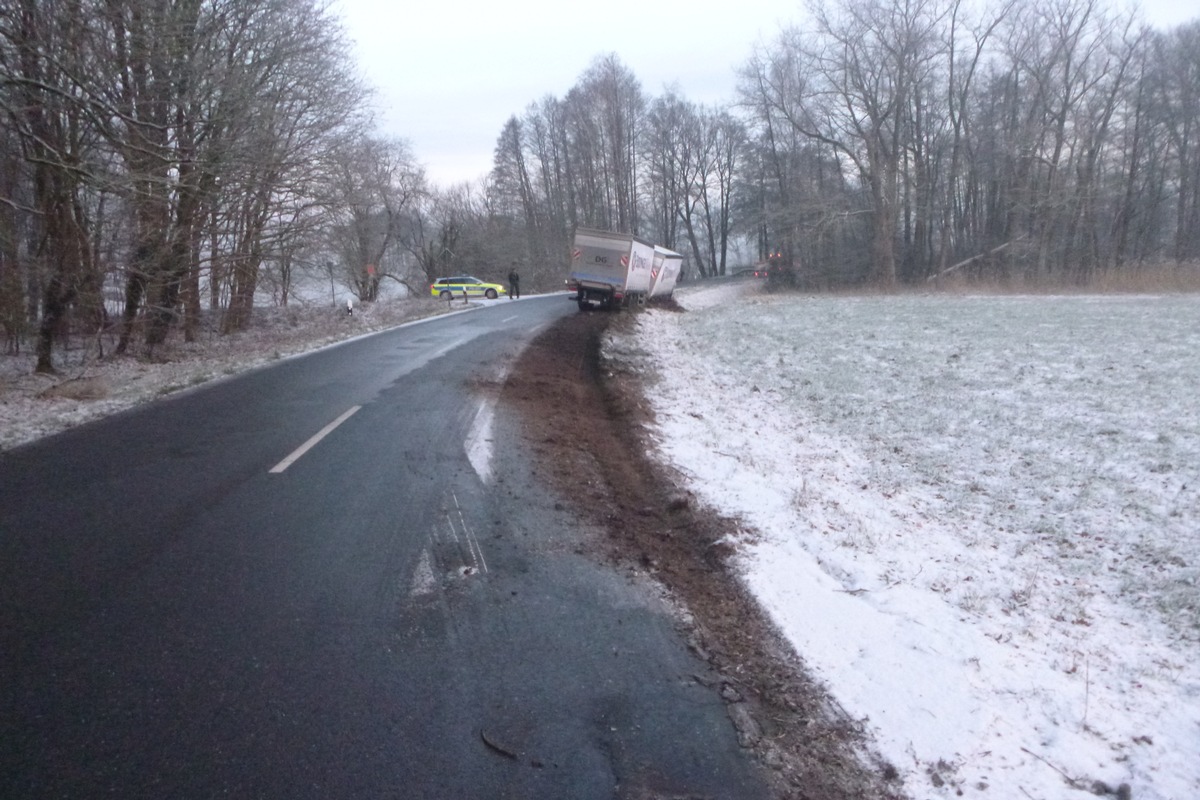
<point>809,747</point>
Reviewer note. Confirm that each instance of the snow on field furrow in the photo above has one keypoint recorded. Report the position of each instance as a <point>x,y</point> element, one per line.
<point>974,517</point>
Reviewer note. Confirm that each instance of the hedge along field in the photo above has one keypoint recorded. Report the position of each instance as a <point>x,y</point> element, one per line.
<point>975,517</point>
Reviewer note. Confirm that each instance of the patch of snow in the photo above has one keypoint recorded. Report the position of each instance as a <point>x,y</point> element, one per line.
<point>479,440</point>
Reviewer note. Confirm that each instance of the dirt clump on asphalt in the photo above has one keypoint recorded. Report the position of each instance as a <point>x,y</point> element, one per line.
<point>808,746</point>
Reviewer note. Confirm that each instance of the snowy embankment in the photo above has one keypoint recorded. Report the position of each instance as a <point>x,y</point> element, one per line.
<point>977,519</point>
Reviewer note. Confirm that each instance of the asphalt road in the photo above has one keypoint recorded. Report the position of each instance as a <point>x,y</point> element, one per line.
<point>205,597</point>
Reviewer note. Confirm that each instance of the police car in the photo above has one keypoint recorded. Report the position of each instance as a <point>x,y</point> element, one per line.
<point>446,288</point>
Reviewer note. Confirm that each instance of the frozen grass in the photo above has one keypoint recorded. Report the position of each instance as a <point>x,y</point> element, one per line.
<point>977,518</point>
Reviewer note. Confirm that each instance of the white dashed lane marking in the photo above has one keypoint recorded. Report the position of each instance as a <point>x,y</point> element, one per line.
<point>311,443</point>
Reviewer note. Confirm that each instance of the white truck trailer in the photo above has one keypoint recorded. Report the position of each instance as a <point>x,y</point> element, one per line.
<point>665,272</point>
<point>609,269</point>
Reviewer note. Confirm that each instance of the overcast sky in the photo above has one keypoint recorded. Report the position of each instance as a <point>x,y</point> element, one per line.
<point>449,73</point>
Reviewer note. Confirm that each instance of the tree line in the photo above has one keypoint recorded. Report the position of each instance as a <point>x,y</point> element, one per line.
<point>890,142</point>
<point>163,163</point>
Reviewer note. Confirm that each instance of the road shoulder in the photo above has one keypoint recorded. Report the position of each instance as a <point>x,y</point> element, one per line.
<point>652,528</point>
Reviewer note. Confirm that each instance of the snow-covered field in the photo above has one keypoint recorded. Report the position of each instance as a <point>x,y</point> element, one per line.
<point>977,518</point>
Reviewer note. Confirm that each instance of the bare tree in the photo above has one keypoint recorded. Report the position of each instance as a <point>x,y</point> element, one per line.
<point>604,114</point>
<point>511,187</point>
<point>693,156</point>
<point>1178,106</point>
<point>672,153</point>
<point>374,182</point>
<point>723,138</point>
<point>447,234</point>
<point>46,114</point>
<point>963,64</point>
<point>849,87</point>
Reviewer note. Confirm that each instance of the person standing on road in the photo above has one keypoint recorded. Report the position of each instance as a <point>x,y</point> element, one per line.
<point>514,283</point>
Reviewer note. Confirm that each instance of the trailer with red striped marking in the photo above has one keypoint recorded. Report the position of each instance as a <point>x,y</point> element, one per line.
<point>665,272</point>
<point>609,270</point>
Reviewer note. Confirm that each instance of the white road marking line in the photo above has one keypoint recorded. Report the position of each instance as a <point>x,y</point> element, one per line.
<point>508,319</point>
<point>311,443</point>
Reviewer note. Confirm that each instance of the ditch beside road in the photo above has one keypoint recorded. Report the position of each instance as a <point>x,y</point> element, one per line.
<point>585,419</point>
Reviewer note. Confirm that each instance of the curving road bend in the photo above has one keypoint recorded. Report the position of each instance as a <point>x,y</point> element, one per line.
<point>306,582</point>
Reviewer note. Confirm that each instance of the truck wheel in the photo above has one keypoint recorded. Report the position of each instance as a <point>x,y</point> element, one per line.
<point>584,305</point>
